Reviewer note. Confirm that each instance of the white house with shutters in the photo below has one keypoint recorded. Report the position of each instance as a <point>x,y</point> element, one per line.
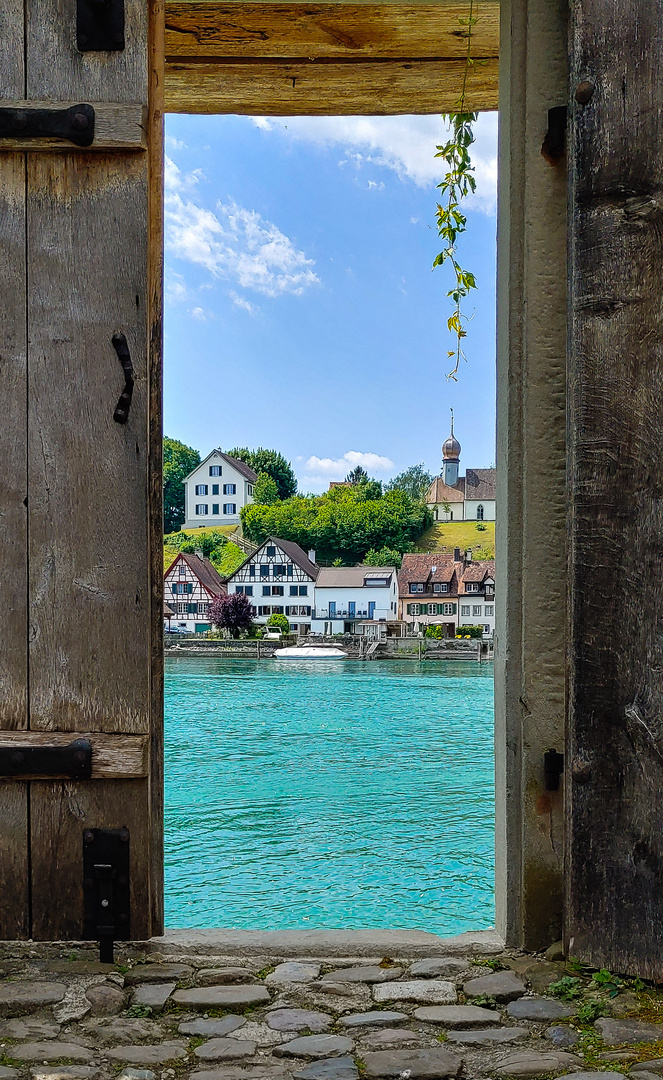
<point>280,579</point>
<point>191,583</point>
<point>355,600</point>
<point>216,490</point>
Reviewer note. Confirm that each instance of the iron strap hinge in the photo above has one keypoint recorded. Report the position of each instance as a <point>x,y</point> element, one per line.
<point>75,124</point>
<point>72,762</point>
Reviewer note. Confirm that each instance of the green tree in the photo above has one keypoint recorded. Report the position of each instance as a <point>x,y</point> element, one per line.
<point>178,461</point>
<point>414,481</point>
<point>384,556</point>
<point>280,621</point>
<point>265,490</point>
<point>272,463</point>
<point>357,476</point>
<point>340,526</point>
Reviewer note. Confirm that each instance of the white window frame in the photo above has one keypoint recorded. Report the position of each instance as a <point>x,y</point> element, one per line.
<point>447,609</point>
<point>202,489</point>
<point>465,611</point>
<point>201,509</point>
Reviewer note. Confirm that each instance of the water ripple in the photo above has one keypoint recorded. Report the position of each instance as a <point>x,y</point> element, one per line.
<point>334,795</point>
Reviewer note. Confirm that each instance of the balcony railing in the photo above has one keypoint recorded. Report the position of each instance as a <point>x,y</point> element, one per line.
<point>359,613</point>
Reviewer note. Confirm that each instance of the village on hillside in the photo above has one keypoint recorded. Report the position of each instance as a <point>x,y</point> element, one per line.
<point>420,561</point>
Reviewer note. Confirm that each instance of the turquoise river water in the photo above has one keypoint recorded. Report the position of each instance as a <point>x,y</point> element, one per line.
<point>339,794</point>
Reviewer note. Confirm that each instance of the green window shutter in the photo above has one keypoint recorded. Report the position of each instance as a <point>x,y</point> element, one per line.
<point>189,587</point>
<point>192,609</point>
<point>455,608</point>
<point>409,609</point>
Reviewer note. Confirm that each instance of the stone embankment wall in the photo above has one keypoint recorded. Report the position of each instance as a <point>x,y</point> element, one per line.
<point>392,648</point>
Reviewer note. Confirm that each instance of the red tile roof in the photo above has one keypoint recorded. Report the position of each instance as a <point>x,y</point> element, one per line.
<point>419,569</point>
<point>207,575</point>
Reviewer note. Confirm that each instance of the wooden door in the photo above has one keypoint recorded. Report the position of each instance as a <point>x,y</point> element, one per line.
<point>80,505</point>
<point>614,778</point>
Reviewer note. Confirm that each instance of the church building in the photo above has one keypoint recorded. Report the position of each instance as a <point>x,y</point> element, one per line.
<point>461,498</point>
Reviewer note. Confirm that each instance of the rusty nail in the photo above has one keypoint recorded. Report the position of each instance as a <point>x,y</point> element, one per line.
<point>584,91</point>
<point>88,836</point>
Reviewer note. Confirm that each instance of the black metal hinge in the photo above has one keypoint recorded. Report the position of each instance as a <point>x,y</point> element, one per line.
<point>553,767</point>
<point>73,761</point>
<point>100,25</point>
<point>75,124</point>
<point>106,888</point>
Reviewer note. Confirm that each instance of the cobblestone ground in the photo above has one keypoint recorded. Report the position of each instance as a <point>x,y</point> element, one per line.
<point>64,1016</point>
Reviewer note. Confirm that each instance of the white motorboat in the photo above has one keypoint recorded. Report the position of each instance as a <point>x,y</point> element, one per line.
<point>310,652</point>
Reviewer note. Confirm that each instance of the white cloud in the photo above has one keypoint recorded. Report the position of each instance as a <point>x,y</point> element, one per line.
<point>176,180</point>
<point>404,144</point>
<point>198,313</point>
<point>375,185</point>
<point>174,144</point>
<point>233,243</point>
<point>321,470</point>
<point>242,303</point>
<point>176,290</point>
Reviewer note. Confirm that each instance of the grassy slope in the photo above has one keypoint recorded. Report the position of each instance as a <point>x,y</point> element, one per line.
<point>230,558</point>
<point>445,536</point>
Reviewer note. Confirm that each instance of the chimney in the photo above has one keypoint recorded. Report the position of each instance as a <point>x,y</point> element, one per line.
<point>468,555</point>
<point>311,555</point>
<point>456,554</point>
<point>200,555</point>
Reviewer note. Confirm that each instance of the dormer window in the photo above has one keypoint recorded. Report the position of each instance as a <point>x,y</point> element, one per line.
<point>416,587</point>
<point>440,587</point>
<point>471,586</point>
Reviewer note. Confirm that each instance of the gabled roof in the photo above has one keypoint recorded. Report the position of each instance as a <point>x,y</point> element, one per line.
<point>338,577</point>
<point>439,492</point>
<point>478,571</point>
<point>207,575</point>
<point>418,567</point>
<point>289,548</point>
<point>476,484</point>
<point>480,483</point>
<point>245,470</point>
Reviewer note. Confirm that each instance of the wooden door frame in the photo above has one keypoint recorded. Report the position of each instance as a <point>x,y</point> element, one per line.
<point>380,59</point>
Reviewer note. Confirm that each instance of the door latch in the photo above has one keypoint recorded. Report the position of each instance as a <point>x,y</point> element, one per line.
<point>553,767</point>
<point>75,124</point>
<point>121,414</point>
<point>100,25</point>
<point>106,889</point>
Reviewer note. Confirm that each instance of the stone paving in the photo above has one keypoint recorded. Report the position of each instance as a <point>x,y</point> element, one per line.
<point>64,1016</point>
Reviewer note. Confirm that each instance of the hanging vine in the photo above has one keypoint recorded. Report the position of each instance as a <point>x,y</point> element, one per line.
<point>458,183</point>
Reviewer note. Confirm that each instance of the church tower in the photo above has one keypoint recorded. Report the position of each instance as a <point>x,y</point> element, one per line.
<point>450,457</point>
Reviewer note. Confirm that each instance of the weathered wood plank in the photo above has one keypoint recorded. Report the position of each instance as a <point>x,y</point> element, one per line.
<point>205,30</point>
<point>117,126</point>
<point>90,603</point>
<point>114,757</point>
<point>156,45</point>
<point>615,751</point>
<point>334,88</point>
<point>14,892</point>
<point>60,811</point>
<point>91,589</point>
<point>56,69</point>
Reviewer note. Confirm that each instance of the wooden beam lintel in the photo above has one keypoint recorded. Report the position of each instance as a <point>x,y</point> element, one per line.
<point>333,88</point>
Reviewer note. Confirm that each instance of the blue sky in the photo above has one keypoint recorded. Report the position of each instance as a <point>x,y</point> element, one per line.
<point>301,309</point>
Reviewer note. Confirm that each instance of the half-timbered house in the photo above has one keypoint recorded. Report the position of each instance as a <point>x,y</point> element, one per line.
<point>280,579</point>
<point>191,583</point>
